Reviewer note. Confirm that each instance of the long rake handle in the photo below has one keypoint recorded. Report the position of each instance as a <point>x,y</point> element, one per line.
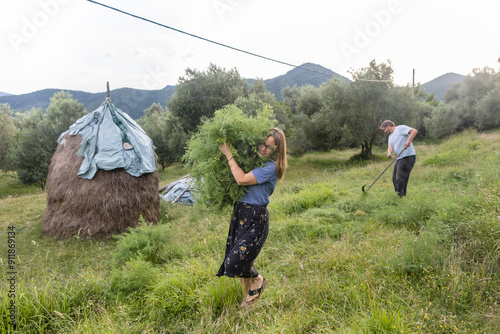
<point>389,165</point>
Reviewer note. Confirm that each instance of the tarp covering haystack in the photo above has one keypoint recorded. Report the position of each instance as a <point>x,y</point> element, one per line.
<point>102,177</point>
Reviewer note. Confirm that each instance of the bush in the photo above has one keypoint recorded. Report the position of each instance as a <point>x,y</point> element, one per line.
<point>209,166</point>
<point>153,244</point>
<point>136,276</point>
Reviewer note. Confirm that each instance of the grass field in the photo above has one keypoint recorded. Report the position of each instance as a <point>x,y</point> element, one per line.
<point>336,260</point>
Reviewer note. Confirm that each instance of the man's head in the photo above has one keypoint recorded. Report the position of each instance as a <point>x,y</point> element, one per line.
<point>388,126</point>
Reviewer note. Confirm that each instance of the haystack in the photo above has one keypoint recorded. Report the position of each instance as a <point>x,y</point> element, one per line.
<point>95,189</point>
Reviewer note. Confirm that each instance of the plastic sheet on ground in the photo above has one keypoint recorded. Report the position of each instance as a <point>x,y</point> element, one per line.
<point>180,191</point>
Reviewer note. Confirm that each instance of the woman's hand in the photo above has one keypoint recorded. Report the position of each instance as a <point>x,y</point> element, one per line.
<point>225,149</point>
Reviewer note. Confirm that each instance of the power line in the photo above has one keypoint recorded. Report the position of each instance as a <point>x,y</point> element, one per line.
<point>206,39</point>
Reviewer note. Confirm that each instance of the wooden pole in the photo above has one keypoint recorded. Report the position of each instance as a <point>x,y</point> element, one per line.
<point>107,88</point>
<point>413,85</point>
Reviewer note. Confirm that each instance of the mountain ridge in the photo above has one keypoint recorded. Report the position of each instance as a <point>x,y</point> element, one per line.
<point>440,84</point>
<point>135,101</point>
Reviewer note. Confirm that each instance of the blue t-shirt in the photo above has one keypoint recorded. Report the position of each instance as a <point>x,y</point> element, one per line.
<point>397,140</point>
<point>266,177</point>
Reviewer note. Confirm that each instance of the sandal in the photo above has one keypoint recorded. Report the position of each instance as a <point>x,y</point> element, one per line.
<point>257,291</point>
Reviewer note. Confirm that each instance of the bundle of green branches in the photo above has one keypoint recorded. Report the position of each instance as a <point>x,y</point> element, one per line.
<point>209,166</point>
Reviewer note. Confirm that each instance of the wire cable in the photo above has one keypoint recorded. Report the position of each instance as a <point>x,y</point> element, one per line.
<point>206,39</point>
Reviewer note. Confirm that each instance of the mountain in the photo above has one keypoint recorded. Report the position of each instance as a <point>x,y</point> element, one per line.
<point>132,101</point>
<point>306,74</point>
<point>4,94</point>
<point>135,101</point>
<point>439,85</point>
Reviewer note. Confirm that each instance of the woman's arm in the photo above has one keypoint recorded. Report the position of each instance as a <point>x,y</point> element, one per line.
<point>241,178</point>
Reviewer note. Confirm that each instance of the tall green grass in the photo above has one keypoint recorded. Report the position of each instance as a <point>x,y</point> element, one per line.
<point>337,260</point>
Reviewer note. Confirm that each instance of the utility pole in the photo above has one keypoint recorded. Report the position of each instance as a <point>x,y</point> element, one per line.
<point>413,85</point>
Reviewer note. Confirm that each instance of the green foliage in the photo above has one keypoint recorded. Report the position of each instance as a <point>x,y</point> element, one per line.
<point>257,97</point>
<point>421,253</point>
<point>340,115</point>
<point>32,148</point>
<point>10,186</point>
<point>209,166</point>
<point>488,109</point>
<point>137,275</point>
<point>474,101</point>
<point>36,139</point>
<point>7,131</point>
<point>442,122</point>
<point>312,197</point>
<point>41,309</point>
<point>166,132</point>
<point>200,94</point>
<point>154,244</point>
<point>458,149</point>
<point>345,262</point>
<point>63,111</point>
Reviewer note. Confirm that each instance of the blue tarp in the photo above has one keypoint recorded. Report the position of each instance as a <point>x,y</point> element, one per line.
<point>180,191</point>
<point>112,140</point>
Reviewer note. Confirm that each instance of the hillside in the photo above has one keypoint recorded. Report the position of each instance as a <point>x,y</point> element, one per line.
<point>337,260</point>
<point>439,85</point>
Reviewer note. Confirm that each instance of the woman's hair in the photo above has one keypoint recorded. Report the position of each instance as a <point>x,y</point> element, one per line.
<point>280,141</point>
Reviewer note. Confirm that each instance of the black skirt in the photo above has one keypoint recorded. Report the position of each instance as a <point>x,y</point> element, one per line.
<point>247,233</point>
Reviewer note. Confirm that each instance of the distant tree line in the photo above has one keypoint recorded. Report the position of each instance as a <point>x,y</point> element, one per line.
<point>335,115</point>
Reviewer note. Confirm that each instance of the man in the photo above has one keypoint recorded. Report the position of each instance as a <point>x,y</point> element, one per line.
<point>400,140</point>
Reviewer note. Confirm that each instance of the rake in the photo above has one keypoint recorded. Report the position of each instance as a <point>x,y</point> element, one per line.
<point>389,165</point>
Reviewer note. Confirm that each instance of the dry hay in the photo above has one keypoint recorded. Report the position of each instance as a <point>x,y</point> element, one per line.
<point>107,204</point>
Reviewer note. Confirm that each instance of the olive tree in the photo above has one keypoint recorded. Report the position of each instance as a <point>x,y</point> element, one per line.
<point>199,94</point>
<point>7,131</point>
<point>36,139</point>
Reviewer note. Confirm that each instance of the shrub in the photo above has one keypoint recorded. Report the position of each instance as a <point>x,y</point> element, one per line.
<point>150,243</point>
<point>136,276</point>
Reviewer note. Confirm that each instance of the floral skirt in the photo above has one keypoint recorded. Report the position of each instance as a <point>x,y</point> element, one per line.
<point>247,234</point>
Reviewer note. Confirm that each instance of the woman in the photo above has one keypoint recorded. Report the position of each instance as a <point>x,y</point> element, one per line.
<point>250,223</point>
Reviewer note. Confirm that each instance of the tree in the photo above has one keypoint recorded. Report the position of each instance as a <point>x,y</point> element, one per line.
<point>153,123</point>
<point>32,148</point>
<point>442,122</point>
<point>369,92</point>
<point>199,94</point>
<point>258,96</point>
<point>7,132</point>
<point>165,131</point>
<point>36,140</point>
<point>474,101</point>
<point>488,110</point>
<point>63,111</point>
<point>470,92</point>
<point>290,96</point>
<point>323,126</point>
<point>309,100</point>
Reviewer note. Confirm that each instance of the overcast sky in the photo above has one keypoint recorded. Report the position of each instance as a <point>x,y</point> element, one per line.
<point>79,45</point>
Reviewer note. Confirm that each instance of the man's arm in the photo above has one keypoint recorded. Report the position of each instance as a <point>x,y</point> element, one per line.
<point>390,149</point>
<point>413,132</point>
